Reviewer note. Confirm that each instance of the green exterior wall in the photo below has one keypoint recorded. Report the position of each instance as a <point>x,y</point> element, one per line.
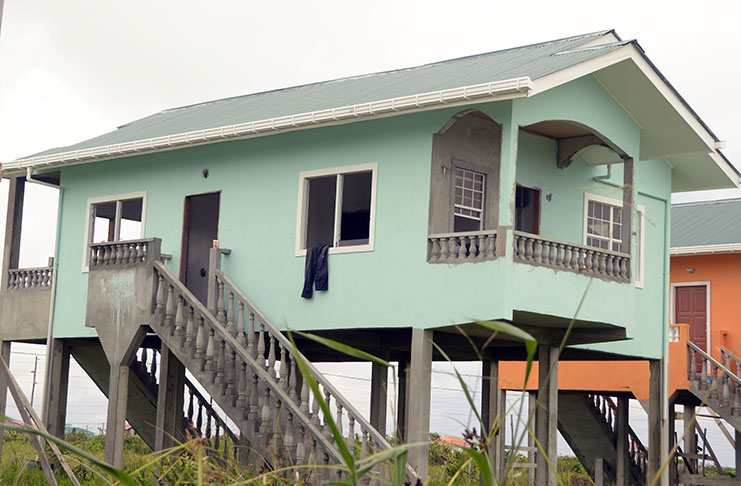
<point>392,286</point>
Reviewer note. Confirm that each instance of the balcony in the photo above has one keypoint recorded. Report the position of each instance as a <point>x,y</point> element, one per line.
<point>560,255</point>
<point>25,298</point>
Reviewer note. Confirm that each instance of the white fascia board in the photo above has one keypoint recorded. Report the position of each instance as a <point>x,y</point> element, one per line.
<point>485,92</point>
<point>726,168</point>
<point>705,249</point>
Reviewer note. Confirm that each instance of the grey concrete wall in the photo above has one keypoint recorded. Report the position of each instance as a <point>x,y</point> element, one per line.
<point>24,314</point>
<point>119,303</point>
<point>474,142</point>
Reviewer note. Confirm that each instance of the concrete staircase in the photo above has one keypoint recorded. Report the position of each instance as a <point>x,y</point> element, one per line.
<point>198,417</point>
<point>589,424</point>
<point>716,384</point>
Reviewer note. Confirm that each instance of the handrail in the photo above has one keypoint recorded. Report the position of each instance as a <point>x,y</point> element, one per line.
<point>575,245</point>
<point>468,246</point>
<point>712,361</point>
<point>727,355</point>
<point>208,319</point>
<point>30,278</point>
<point>560,255</point>
<point>379,439</point>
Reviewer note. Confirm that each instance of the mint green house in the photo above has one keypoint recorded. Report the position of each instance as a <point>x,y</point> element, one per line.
<point>529,186</point>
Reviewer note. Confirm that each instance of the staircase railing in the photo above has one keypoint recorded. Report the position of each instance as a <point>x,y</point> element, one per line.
<point>254,330</point>
<point>274,419</point>
<point>727,358</point>
<point>637,452</point>
<point>712,378</point>
<point>202,419</point>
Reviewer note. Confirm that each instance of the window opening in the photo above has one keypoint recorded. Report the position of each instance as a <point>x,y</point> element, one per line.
<point>604,226</point>
<point>527,210</point>
<point>337,209</point>
<point>114,220</point>
<point>468,206</point>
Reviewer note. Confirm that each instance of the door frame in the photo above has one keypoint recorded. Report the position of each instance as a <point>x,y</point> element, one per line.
<point>673,300</point>
<point>184,242</point>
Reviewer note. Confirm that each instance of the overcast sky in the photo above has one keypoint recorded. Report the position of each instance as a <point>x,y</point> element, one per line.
<point>75,69</point>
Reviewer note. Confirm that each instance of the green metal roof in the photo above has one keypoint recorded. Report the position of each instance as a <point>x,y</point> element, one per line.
<point>533,61</point>
<point>706,223</point>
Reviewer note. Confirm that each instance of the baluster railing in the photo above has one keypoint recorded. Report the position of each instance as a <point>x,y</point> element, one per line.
<point>560,255</point>
<point>471,246</point>
<point>112,253</point>
<point>707,375</point>
<point>30,278</point>
<point>264,387</point>
<point>275,359</point>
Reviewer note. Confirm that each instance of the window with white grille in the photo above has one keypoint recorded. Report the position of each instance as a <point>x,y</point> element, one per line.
<point>468,206</point>
<point>604,226</point>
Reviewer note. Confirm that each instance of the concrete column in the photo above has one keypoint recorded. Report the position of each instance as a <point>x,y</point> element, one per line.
<point>401,402</point>
<point>493,409</point>
<point>56,408</point>
<point>623,464</point>
<point>118,389</point>
<point>672,470</point>
<point>599,471</point>
<point>654,419</point>
<point>12,246</point>
<point>5,354</point>
<point>546,429</point>
<point>169,400</point>
<point>378,397</point>
<point>628,203</point>
<point>532,410</point>
<point>690,438</point>
<point>737,449</point>
<point>419,382</point>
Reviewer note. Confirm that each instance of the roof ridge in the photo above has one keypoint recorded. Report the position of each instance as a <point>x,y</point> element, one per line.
<point>707,203</point>
<point>594,48</point>
<point>598,33</point>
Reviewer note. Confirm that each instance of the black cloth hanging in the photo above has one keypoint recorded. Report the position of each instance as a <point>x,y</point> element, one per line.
<point>316,272</point>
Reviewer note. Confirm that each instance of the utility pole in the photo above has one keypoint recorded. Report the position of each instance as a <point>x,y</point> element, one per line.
<point>35,366</point>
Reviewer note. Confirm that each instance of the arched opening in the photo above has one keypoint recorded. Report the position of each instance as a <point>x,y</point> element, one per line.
<point>464,183</point>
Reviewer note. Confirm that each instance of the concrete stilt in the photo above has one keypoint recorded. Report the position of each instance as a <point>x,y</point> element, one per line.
<point>56,406</point>
<point>546,430</point>
<point>118,389</point>
<point>671,434</point>
<point>12,246</point>
<point>655,445</point>
<point>623,465</point>
<point>737,449</point>
<point>690,438</point>
<point>493,404</point>
<point>378,396</point>
<point>532,410</point>
<point>5,353</point>
<point>401,402</point>
<point>419,382</point>
<point>169,400</point>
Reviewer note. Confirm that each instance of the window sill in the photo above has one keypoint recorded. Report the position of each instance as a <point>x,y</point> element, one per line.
<point>342,249</point>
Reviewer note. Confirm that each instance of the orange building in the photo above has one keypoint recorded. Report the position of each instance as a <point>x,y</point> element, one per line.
<point>705,326</point>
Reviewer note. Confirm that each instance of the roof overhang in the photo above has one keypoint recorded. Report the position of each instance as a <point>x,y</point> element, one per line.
<point>487,92</point>
<point>670,129</point>
<point>705,249</point>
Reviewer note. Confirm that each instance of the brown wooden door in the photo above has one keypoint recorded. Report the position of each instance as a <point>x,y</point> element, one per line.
<point>200,229</point>
<point>691,308</point>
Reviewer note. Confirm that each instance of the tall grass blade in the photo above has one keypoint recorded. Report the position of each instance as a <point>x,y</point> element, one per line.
<point>344,349</point>
<point>347,456</point>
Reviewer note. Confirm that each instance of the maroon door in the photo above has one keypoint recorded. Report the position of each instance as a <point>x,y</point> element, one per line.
<point>691,307</point>
<point>200,229</point>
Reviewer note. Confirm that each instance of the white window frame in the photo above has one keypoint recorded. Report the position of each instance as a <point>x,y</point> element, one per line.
<point>105,199</point>
<point>640,225</point>
<point>303,206</point>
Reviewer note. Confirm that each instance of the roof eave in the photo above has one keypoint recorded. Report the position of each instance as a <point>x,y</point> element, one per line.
<point>486,92</point>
